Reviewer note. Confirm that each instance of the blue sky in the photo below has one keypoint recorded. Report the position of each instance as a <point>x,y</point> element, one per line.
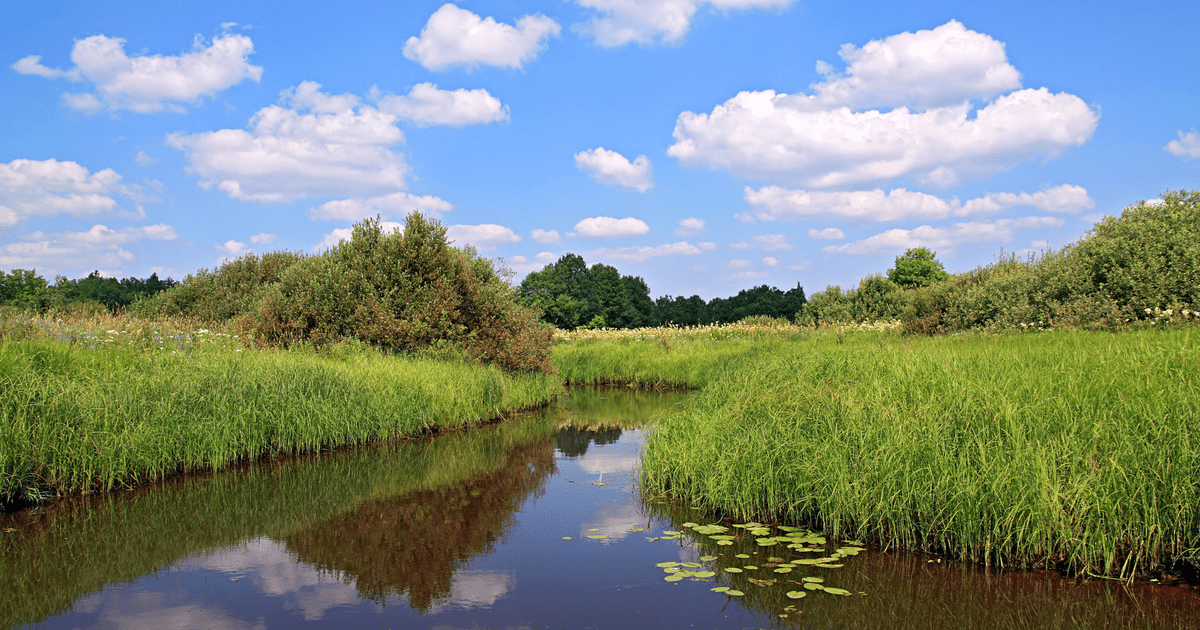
<point>705,145</point>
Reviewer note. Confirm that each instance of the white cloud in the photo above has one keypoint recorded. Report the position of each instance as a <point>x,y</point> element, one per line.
<point>775,203</point>
<point>765,242</point>
<point>458,37</point>
<point>642,254</point>
<point>827,234</point>
<point>944,239</point>
<point>100,247</point>
<point>770,261</point>
<point>545,237</point>
<point>738,264</point>
<point>426,105</point>
<point>944,66</point>
<point>143,160</point>
<point>932,132</point>
<point>608,227</point>
<point>232,248</point>
<point>485,237</point>
<point>262,238</point>
<point>150,83</point>
<point>690,226</point>
<point>744,275</point>
<point>394,205</point>
<point>288,154</point>
<point>47,188</point>
<point>648,22</point>
<point>343,234</point>
<point>613,169</point>
<point>1188,145</point>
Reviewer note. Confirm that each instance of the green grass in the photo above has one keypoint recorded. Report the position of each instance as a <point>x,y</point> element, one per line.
<point>1071,449</point>
<point>80,413</point>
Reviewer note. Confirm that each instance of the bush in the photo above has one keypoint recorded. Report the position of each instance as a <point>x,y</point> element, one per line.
<point>830,306</point>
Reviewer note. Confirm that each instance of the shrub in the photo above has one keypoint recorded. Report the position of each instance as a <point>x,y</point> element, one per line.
<point>917,267</point>
<point>830,306</point>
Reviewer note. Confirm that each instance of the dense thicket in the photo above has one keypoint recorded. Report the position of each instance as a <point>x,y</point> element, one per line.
<point>570,295</point>
<point>1141,265</point>
<point>406,291</point>
<point>25,289</point>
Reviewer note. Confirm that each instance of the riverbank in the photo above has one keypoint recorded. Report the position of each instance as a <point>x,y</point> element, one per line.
<point>98,405</point>
<point>1066,449</point>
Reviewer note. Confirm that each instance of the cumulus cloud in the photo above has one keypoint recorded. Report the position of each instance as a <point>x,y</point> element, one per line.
<point>458,37</point>
<point>312,144</point>
<point>523,265</point>
<point>642,254</point>
<point>690,226</point>
<point>931,68</point>
<point>648,22</point>
<point>770,261</point>
<point>765,242</point>
<point>545,237</point>
<point>484,238</point>
<point>47,188</point>
<point>613,169</point>
<point>1188,145</point>
<point>827,234</point>
<point>944,239</point>
<point>932,133</point>
<point>150,83</point>
<point>100,247</point>
<point>262,238</point>
<point>394,205</point>
<point>426,105</point>
<point>775,203</point>
<point>608,227</point>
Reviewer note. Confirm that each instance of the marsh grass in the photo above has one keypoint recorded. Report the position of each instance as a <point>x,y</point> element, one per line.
<point>1068,449</point>
<point>104,402</point>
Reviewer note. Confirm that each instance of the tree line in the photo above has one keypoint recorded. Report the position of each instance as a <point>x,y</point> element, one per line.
<point>25,289</point>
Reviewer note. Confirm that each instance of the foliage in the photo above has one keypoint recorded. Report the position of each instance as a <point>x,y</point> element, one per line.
<point>876,299</point>
<point>572,295</point>
<point>407,291</point>
<point>24,289</point>
<point>917,267</point>
<point>1141,268</point>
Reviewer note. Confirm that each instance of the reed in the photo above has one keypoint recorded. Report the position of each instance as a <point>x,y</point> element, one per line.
<point>91,408</point>
<point>1069,449</point>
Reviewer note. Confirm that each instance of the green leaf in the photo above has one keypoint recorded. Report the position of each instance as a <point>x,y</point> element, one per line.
<point>836,591</point>
<point>744,556</point>
<point>783,570</point>
<point>667,564</point>
<point>704,574</point>
<point>673,578</point>
<point>719,589</point>
<point>732,570</point>
<point>813,586</point>
<point>734,593</point>
<point>597,536</point>
<point>690,564</point>
<point>815,580</point>
<point>796,594</point>
<point>708,558</point>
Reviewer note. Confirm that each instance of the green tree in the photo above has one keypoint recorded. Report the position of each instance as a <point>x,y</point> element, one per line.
<point>917,267</point>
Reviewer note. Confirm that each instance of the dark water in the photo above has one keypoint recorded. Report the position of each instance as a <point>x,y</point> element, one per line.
<point>467,531</point>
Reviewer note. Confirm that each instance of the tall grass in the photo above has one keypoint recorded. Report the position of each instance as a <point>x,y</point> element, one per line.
<point>87,408</point>
<point>1070,449</point>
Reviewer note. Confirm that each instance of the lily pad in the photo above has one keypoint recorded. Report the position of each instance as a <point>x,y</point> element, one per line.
<point>721,537</point>
<point>708,558</point>
<point>637,529</point>
<point>742,555</point>
<point>690,564</point>
<point>594,529</point>
<point>704,574</point>
<point>667,564</point>
<point>673,578</point>
<point>734,593</point>
<point>732,570</point>
<point>857,543</point>
<point>815,580</point>
<point>783,570</point>
<point>719,589</point>
<point>826,565</point>
<point>566,538</point>
<point>813,586</point>
<point>689,524</point>
<point>669,532</point>
<point>796,594</point>
<point>774,559</point>
<point>597,536</point>
<point>836,591</point>
<point>725,543</point>
<point>751,567</point>
<point>786,528</point>
<point>850,551</point>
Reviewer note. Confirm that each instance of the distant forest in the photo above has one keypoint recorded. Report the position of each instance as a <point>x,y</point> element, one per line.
<point>25,289</point>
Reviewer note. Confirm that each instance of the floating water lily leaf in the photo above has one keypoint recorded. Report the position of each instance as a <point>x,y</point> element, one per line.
<point>686,574</point>
<point>725,542</point>
<point>672,569</point>
<point>719,589</point>
<point>594,529</point>
<point>774,559</point>
<point>708,558</point>
<point>734,593</point>
<point>598,536</point>
<point>742,555</point>
<point>850,551</point>
<point>566,538</point>
<point>783,570</point>
<point>786,528</point>
<point>796,594</point>
<point>721,537</point>
<point>760,531</point>
<point>689,564</point>
<point>757,582</point>
<point>808,561</point>
<point>815,580</point>
<point>689,525</point>
<point>733,570</point>
<point>637,529</point>
<point>836,591</point>
<point>858,543</point>
<point>751,567</point>
<point>671,532</point>
<point>825,565</point>
<point>704,574</point>
<point>766,542</point>
<point>667,564</point>
<point>813,586</point>
<point>673,578</point>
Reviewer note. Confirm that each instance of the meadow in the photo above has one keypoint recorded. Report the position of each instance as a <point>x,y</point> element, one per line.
<point>1065,449</point>
<point>103,402</point>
